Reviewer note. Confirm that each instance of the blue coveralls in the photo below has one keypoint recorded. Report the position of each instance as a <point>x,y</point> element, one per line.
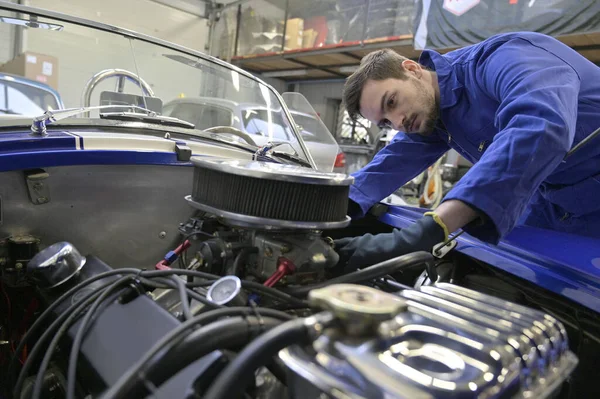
<point>513,105</point>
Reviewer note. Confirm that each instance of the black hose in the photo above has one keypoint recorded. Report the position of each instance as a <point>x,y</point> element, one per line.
<point>232,382</point>
<point>184,272</point>
<point>183,297</point>
<point>213,315</point>
<point>98,299</point>
<point>378,270</point>
<point>42,318</point>
<point>266,291</point>
<point>177,334</point>
<point>168,283</point>
<point>76,346</point>
<point>241,258</point>
<point>222,334</point>
<point>278,369</point>
<point>84,302</point>
<point>274,294</point>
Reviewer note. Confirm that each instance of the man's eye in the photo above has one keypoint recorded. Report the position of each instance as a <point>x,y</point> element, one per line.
<point>385,124</point>
<point>390,102</point>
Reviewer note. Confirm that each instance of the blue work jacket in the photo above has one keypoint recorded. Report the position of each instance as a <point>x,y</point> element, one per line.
<point>513,105</point>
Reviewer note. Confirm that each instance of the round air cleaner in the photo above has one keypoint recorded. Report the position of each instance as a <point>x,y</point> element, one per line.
<point>269,195</point>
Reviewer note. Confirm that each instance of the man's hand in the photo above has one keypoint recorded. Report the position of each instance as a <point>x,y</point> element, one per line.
<point>369,249</point>
<point>433,228</point>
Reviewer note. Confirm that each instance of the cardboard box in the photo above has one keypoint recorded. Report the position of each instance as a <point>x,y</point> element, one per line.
<point>294,33</point>
<point>34,66</point>
<point>309,37</point>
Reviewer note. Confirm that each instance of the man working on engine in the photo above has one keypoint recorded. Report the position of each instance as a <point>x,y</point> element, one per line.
<point>513,105</point>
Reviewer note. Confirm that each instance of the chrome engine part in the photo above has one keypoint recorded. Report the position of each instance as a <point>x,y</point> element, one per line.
<point>267,195</point>
<point>444,341</point>
<point>298,257</point>
<point>309,253</point>
<point>270,217</point>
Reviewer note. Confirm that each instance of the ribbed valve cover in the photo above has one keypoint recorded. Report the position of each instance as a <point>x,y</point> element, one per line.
<point>270,195</point>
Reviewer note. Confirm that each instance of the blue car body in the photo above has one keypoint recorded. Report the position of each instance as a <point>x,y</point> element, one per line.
<point>565,264</point>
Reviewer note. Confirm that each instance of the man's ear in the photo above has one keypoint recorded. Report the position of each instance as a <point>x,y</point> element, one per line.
<point>413,67</point>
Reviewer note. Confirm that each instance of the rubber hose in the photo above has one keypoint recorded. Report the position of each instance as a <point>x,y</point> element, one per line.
<point>176,335</point>
<point>222,334</point>
<point>32,331</point>
<point>241,258</point>
<point>378,270</point>
<point>209,317</point>
<point>232,382</point>
<point>50,331</point>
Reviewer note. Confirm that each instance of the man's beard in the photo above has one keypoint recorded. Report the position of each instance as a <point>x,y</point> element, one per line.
<point>431,121</point>
<point>432,106</point>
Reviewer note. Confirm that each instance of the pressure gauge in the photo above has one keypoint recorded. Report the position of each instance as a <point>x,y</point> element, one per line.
<point>227,291</point>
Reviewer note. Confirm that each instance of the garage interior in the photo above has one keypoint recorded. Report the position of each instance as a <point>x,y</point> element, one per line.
<point>225,243</point>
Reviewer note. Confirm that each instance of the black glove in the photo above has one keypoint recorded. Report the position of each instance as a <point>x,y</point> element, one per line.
<point>370,249</point>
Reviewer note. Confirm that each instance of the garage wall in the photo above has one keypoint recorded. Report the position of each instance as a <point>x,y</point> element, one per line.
<point>6,42</point>
<point>82,53</point>
<point>143,16</point>
<point>7,37</point>
<point>324,98</point>
<point>277,84</point>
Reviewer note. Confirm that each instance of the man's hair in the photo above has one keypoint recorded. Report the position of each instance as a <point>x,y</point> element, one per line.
<point>378,65</point>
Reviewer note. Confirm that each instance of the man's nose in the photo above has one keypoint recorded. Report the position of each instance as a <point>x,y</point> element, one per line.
<point>398,122</point>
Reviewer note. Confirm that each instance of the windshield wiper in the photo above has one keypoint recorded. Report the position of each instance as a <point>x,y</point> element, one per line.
<point>161,119</point>
<point>268,151</point>
<point>39,124</point>
<point>289,157</point>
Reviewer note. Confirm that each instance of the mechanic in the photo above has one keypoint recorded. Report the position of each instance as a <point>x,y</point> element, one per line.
<point>513,105</point>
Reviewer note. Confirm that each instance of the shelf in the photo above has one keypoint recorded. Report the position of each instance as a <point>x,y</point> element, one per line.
<point>332,62</point>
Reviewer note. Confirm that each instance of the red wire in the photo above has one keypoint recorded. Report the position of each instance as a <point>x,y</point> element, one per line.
<point>7,301</point>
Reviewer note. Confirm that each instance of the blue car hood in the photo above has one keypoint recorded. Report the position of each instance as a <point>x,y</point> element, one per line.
<point>565,264</point>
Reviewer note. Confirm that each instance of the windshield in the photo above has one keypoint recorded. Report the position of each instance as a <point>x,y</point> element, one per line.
<point>92,67</point>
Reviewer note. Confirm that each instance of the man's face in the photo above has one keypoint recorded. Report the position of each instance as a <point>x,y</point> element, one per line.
<point>407,105</point>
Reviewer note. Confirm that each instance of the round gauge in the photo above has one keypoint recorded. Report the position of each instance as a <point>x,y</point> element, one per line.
<point>225,290</point>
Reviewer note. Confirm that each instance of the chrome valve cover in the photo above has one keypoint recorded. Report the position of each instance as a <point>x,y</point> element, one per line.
<point>446,341</point>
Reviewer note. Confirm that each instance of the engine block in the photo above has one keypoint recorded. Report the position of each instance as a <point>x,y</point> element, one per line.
<point>444,341</point>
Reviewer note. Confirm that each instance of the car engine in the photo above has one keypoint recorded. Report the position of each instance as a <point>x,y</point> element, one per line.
<point>251,304</point>
<point>266,220</point>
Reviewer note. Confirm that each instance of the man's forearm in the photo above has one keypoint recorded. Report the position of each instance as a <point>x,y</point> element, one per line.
<point>455,214</point>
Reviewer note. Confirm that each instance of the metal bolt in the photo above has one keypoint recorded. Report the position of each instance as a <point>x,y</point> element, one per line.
<point>18,266</point>
<point>162,234</point>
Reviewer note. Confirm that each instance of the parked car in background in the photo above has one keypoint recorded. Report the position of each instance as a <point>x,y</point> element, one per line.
<point>259,123</point>
<point>22,96</point>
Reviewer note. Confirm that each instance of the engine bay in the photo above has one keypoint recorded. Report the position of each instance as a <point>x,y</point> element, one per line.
<point>251,303</point>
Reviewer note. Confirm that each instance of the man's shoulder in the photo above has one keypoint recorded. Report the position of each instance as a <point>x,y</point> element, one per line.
<point>494,44</point>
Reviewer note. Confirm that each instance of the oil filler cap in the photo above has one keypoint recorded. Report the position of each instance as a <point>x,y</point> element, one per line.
<point>55,265</point>
<point>360,309</point>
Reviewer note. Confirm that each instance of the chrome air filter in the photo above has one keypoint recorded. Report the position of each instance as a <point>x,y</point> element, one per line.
<point>270,195</point>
